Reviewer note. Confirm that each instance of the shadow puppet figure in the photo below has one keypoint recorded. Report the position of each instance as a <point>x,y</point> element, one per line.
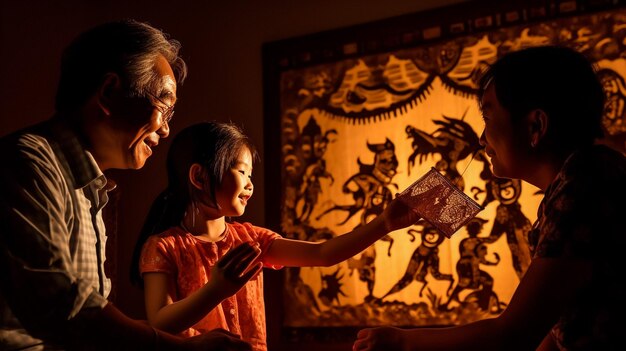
<point>425,259</point>
<point>509,216</point>
<point>473,252</point>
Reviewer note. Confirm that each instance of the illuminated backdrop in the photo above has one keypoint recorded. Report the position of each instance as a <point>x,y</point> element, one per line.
<point>358,129</point>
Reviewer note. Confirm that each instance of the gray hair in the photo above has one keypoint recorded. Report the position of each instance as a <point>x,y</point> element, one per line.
<point>128,48</point>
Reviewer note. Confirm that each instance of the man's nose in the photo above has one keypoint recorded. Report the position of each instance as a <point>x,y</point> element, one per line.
<point>164,130</point>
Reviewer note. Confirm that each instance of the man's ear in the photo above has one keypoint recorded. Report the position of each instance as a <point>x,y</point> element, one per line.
<point>197,177</point>
<point>111,85</point>
<point>537,126</point>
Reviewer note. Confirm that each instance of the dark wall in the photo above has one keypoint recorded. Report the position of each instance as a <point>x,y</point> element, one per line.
<point>222,46</point>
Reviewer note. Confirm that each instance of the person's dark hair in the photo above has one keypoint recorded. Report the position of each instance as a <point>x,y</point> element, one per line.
<point>216,147</point>
<point>558,80</point>
<point>128,48</point>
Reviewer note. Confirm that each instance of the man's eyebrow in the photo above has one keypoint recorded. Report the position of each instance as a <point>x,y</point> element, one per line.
<point>167,94</point>
<point>167,91</point>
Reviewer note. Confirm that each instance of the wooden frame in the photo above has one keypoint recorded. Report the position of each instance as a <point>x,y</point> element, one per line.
<point>307,79</point>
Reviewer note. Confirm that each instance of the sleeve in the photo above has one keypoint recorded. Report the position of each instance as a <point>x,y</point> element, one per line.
<point>155,257</point>
<point>39,282</point>
<point>265,238</point>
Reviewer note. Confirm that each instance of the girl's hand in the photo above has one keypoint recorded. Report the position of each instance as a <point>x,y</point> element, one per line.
<point>234,269</point>
<point>382,338</point>
<point>398,215</point>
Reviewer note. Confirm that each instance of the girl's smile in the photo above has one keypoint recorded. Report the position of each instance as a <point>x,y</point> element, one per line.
<point>236,188</point>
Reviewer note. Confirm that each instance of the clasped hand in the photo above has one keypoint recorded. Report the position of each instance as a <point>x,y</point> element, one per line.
<point>235,268</point>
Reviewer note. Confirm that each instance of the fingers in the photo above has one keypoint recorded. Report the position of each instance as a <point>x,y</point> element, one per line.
<point>363,341</point>
<point>246,261</point>
<point>232,253</point>
<point>398,215</point>
<point>361,345</point>
<point>363,333</point>
<point>254,270</point>
<point>235,344</point>
<point>236,254</point>
<point>225,340</point>
<point>412,216</point>
<point>241,260</point>
<point>225,332</point>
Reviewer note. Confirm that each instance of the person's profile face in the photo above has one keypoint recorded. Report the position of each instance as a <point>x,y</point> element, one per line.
<point>499,137</point>
<point>147,123</point>
<point>236,188</point>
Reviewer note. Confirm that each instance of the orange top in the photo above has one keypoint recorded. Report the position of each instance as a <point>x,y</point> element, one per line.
<point>188,260</point>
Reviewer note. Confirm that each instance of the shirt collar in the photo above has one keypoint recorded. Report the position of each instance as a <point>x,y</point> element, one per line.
<point>81,164</point>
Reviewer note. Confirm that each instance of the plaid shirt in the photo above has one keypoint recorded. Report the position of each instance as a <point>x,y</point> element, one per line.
<point>52,237</point>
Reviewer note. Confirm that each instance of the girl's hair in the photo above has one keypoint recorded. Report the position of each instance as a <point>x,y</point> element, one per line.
<point>216,147</point>
<point>558,80</point>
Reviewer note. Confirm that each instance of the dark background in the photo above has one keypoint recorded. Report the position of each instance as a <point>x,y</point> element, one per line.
<point>221,43</point>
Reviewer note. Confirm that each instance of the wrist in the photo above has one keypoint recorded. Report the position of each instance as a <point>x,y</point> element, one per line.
<point>215,291</point>
<point>166,341</point>
<point>386,222</point>
<point>380,224</point>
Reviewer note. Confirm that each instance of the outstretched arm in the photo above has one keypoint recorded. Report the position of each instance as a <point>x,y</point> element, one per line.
<point>296,253</point>
<point>227,277</point>
<point>546,289</point>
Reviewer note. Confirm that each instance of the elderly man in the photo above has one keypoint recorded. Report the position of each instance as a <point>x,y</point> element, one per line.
<point>115,97</point>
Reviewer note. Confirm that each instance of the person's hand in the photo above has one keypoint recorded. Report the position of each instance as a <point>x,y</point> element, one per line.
<point>217,339</point>
<point>398,215</point>
<point>381,338</point>
<point>235,268</point>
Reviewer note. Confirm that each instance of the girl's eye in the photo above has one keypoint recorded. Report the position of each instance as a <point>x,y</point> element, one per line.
<point>244,173</point>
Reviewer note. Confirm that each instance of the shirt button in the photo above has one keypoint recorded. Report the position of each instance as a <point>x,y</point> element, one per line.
<point>232,311</point>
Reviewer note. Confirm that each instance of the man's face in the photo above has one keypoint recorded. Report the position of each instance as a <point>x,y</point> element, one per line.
<point>143,125</point>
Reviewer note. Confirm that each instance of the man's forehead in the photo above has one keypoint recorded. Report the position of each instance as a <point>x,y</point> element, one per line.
<point>166,75</point>
<point>169,84</point>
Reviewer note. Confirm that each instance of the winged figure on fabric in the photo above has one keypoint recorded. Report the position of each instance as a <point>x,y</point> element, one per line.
<point>453,140</point>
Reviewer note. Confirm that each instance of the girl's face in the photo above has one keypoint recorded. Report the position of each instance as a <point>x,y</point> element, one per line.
<point>236,189</point>
<point>501,139</point>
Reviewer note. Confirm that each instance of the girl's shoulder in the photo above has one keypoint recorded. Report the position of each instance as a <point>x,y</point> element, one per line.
<point>169,236</point>
<point>247,231</point>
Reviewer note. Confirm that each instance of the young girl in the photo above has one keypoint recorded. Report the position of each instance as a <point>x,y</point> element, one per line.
<point>190,275</point>
<point>543,112</point>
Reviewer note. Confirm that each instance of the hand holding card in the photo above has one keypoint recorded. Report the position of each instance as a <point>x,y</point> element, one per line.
<point>439,202</point>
